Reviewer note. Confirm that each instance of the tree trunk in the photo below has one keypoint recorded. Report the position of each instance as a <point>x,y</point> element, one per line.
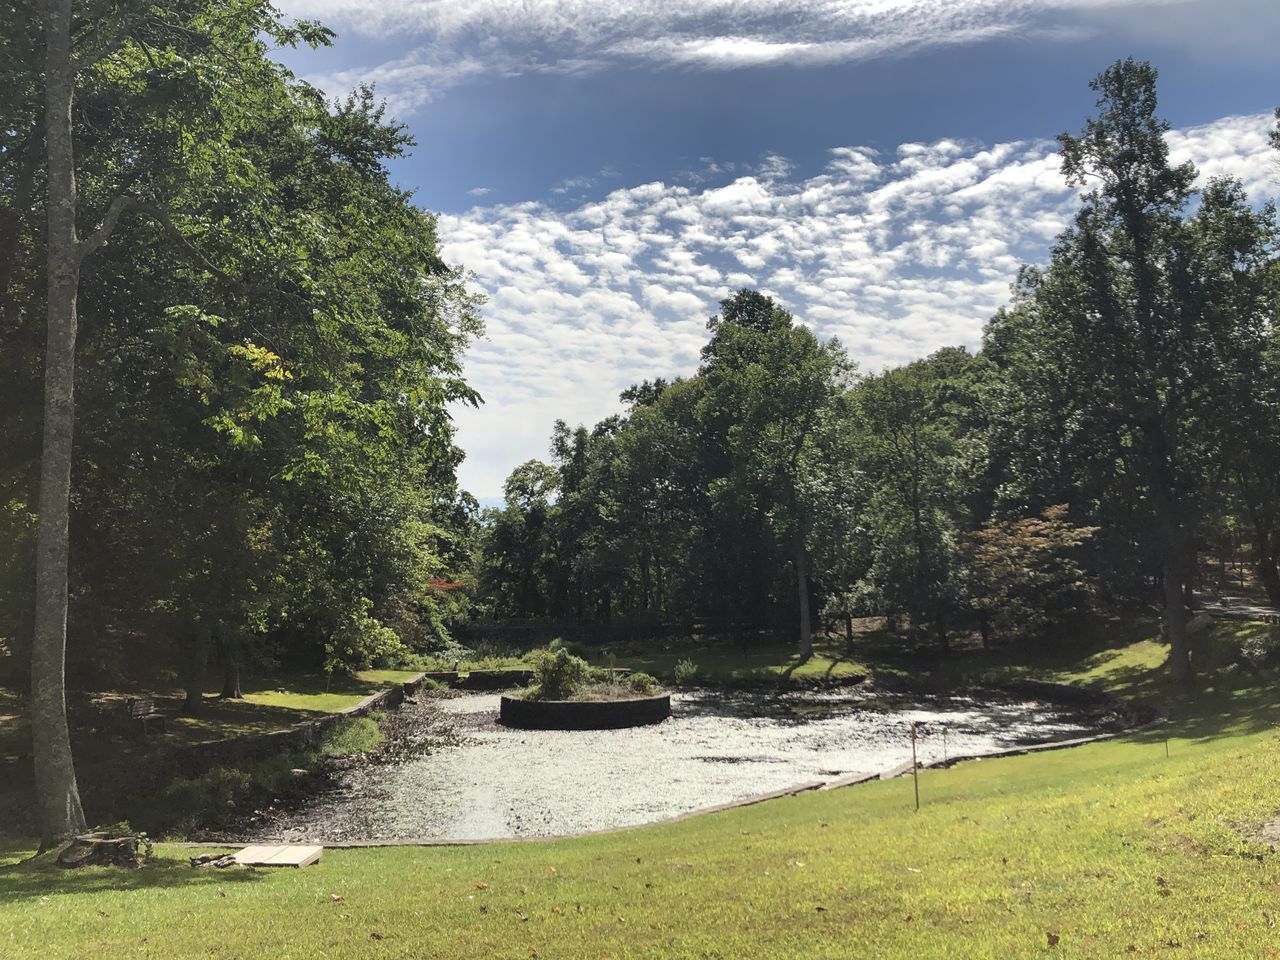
<point>1269,576</point>
<point>802,588</point>
<point>1175,623</point>
<point>944,638</point>
<point>1266,553</point>
<point>231,680</point>
<point>231,670</point>
<point>848,631</point>
<point>57,796</point>
<point>193,703</point>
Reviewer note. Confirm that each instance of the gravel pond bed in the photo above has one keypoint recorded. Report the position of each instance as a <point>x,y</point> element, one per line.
<point>459,775</point>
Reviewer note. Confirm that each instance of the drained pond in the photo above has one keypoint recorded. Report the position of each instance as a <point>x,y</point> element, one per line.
<point>454,773</point>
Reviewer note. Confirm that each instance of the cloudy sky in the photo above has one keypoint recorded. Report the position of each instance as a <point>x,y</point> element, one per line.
<point>609,170</point>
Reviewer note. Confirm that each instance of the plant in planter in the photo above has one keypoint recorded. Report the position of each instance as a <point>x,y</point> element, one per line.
<point>559,674</point>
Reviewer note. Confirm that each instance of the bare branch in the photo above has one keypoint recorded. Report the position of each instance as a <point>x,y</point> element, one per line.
<point>90,244</point>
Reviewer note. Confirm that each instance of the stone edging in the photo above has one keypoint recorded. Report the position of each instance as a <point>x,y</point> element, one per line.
<point>583,714</point>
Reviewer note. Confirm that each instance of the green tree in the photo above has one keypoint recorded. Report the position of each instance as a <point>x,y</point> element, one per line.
<point>770,384</point>
<point>1144,322</point>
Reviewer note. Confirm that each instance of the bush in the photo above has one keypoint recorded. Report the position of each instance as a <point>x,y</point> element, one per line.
<point>686,672</point>
<point>1261,650</point>
<point>572,646</point>
<point>643,684</point>
<point>559,673</point>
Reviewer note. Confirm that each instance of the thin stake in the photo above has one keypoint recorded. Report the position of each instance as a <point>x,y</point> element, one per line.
<point>944,744</point>
<point>915,769</point>
<point>1166,748</point>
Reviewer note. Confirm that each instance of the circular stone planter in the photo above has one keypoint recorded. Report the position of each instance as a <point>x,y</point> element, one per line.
<point>584,714</point>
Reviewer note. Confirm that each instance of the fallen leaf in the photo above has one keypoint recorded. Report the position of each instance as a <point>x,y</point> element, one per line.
<point>908,918</point>
<point>551,871</point>
<point>820,909</point>
<point>336,897</point>
<point>555,909</point>
<point>374,935</point>
<point>482,885</point>
<point>523,918</point>
<point>523,891</point>
<point>1053,938</point>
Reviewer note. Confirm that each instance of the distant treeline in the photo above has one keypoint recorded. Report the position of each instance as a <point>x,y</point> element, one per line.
<point>1122,415</point>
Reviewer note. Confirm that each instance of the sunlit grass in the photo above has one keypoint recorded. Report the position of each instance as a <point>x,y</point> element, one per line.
<point>1110,850</point>
<point>1113,849</point>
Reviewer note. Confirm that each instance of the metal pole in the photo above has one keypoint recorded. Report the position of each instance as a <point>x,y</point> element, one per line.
<point>915,768</point>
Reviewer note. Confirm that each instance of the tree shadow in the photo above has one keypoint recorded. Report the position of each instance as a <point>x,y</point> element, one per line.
<point>42,877</point>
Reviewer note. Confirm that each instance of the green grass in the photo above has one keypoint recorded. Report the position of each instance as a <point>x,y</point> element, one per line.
<point>1114,849</point>
<point>350,736</point>
<point>759,662</point>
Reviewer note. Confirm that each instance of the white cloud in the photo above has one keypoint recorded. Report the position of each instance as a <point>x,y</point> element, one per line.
<point>460,40</point>
<point>897,257</point>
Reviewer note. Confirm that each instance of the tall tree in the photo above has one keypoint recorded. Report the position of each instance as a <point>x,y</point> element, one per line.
<point>1146,325</point>
<point>770,385</point>
<point>58,796</point>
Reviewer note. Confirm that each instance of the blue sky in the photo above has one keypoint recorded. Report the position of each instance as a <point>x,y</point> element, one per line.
<point>609,170</point>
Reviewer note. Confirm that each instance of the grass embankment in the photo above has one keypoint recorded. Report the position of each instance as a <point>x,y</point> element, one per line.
<point>102,735</point>
<point>1107,850</point>
<point>760,662</point>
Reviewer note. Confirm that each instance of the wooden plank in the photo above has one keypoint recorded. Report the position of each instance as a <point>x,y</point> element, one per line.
<point>253,855</point>
<point>295,856</point>
<point>279,855</point>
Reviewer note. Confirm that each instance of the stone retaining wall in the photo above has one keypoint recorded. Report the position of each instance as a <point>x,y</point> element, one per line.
<point>584,714</point>
<point>111,789</point>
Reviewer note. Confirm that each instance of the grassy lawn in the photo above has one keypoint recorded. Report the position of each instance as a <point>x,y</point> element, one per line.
<point>1108,850</point>
<point>761,661</point>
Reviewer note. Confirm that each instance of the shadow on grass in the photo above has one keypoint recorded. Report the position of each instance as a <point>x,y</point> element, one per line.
<point>41,877</point>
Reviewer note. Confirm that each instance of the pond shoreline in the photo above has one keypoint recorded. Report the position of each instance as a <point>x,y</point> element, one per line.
<point>721,751</point>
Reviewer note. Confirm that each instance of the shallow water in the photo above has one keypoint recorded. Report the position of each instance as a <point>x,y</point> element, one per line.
<point>492,782</point>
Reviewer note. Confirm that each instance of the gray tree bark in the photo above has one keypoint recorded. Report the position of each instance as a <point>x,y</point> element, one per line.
<point>57,796</point>
<point>802,587</point>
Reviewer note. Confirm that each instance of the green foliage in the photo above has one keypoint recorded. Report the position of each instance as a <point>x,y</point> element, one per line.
<point>1136,378</point>
<point>558,673</point>
<point>685,673</point>
<point>642,683</point>
<point>271,322</point>
<point>358,641</point>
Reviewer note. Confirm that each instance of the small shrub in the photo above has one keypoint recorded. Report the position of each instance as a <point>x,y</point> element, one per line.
<point>429,685</point>
<point>1261,650</point>
<point>574,647</point>
<point>558,673</point>
<point>686,672</point>
<point>643,684</point>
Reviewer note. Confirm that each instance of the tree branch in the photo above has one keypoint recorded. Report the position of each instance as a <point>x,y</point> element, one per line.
<point>90,244</point>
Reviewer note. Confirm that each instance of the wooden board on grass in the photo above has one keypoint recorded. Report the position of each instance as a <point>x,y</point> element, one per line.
<point>279,855</point>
